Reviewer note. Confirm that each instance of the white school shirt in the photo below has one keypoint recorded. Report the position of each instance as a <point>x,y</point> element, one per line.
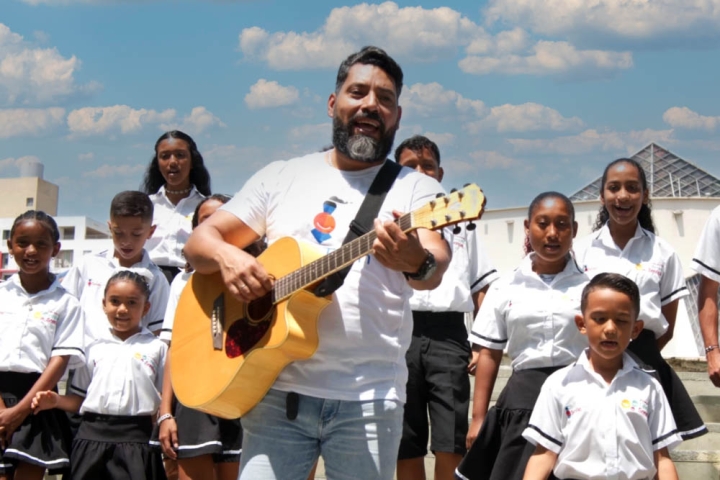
<point>470,270</point>
<point>87,279</point>
<point>173,227</point>
<point>533,319</point>
<point>647,259</point>
<point>366,330</point>
<point>600,430</point>
<point>37,326</point>
<point>122,377</point>
<point>176,288</point>
<point>706,260</point>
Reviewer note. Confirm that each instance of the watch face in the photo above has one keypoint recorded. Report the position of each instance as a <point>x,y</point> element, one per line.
<point>426,269</point>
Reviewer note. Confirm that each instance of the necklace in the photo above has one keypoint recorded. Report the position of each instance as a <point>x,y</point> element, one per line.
<point>178,192</point>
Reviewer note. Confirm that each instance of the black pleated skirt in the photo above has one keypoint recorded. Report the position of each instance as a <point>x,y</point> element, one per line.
<point>500,452</point>
<point>43,439</point>
<point>115,448</point>
<point>688,420</point>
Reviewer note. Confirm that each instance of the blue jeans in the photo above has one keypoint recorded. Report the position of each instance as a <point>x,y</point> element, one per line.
<point>357,440</point>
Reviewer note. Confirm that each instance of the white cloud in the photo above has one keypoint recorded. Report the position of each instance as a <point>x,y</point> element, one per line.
<point>28,121</point>
<point>13,163</point>
<point>683,117</point>
<point>109,171</point>
<point>199,120</point>
<point>32,75</point>
<point>549,58</point>
<point>493,160</point>
<point>433,100</point>
<point>122,118</point>
<point>593,140</point>
<point>627,19</point>
<point>86,157</point>
<point>415,33</point>
<point>312,132</point>
<point>269,94</point>
<point>524,118</point>
<point>441,139</point>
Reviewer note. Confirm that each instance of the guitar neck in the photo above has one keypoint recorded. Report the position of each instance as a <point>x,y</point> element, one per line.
<point>332,262</point>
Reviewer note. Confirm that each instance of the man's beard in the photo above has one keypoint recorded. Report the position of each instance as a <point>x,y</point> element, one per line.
<point>362,147</point>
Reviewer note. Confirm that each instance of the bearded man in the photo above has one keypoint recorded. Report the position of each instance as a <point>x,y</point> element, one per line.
<point>345,403</point>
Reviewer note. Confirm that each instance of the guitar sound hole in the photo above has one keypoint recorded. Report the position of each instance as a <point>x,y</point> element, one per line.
<point>246,332</point>
<point>260,310</point>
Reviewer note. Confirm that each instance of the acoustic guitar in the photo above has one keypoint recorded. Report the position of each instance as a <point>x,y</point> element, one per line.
<point>226,354</point>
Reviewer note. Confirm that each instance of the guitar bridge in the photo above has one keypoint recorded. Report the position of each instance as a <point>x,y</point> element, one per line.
<point>217,322</point>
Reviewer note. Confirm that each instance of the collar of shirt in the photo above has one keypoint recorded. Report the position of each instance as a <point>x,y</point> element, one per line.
<point>583,362</point>
<point>143,332</point>
<point>115,263</point>
<point>161,196</point>
<point>605,237</point>
<point>15,283</point>
<point>525,270</point>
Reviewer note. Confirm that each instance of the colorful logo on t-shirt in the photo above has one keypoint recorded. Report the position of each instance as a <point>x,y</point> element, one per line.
<point>639,406</point>
<point>145,360</point>
<point>47,317</point>
<point>324,222</point>
<point>569,411</point>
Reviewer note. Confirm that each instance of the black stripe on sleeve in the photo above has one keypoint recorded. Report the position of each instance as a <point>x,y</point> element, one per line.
<point>156,322</point>
<point>494,340</point>
<point>705,265</point>
<point>68,348</point>
<point>663,437</point>
<point>545,435</point>
<point>482,278</point>
<point>79,390</point>
<point>672,293</point>
<point>168,330</point>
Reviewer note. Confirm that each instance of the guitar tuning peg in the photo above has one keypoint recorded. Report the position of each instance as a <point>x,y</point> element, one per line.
<point>453,190</point>
<point>439,195</point>
<point>470,226</point>
<point>456,230</point>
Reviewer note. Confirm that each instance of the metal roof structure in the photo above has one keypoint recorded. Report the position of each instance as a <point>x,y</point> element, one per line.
<point>668,176</point>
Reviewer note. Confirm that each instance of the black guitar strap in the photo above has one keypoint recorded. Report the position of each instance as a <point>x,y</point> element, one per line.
<point>363,221</point>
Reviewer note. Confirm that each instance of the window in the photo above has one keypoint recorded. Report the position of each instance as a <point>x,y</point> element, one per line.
<point>6,234</point>
<point>64,259</point>
<point>5,260</point>
<point>29,202</point>
<point>68,233</point>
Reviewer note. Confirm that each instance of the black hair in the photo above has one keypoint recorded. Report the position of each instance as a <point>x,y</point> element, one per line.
<point>42,218</point>
<point>417,143</point>
<point>371,56</point>
<point>645,214</point>
<point>199,175</point>
<point>612,281</point>
<point>132,203</point>
<point>129,275</point>
<point>534,204</point>
<point>220,197</point>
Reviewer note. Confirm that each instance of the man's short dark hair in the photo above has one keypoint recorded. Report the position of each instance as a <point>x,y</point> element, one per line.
<point>417,143</point>
<point>132,203</point>
<point>371,56</point>
<point>616,282</point>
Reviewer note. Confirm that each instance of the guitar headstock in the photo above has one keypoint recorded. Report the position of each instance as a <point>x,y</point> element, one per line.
<point>458,206</point>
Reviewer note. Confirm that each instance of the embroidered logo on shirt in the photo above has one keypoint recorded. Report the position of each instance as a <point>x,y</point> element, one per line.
<point>639,406</point>
<point>145,360</point>
<point>569,412</point>
<point>324,222</point>
<point>47,317</point>
<point>93,284</point>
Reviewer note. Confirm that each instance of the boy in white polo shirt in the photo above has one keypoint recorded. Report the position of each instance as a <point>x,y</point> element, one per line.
<point>603,417</point>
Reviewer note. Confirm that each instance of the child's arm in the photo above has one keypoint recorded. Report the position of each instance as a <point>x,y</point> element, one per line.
<point>541,464</point>
<point>168,428</point>
<point>485,374</point>
<point>11,418</point>
<point>665,466</point>
<point>669,311</point>
<point>708,315</point>
<point>48,399</point>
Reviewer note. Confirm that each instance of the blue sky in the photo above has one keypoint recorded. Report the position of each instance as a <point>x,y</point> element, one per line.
<point>521,95</point>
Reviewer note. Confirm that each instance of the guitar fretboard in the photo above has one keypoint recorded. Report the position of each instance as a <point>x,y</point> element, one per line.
<point>330,263</point>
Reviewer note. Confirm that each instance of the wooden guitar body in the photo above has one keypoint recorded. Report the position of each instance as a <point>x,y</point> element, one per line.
<point>228,373</point>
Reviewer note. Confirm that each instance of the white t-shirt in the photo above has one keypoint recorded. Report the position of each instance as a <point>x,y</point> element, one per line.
<point>173,227</point>
<point>600,430</point>
<point>707,255</point>
<point>176,289</point>
<point>647,259</point>
<point>35,327</point>
<point>470,270</point>
<point>87,279</point>
<point>366,330</point>
<point>122,377</point>
<point>533,319</point>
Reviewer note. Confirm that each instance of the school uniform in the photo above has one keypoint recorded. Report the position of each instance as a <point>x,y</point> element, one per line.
<point>36,327</point>
<point>706,260</point>
<point>199,433</point>
<point>121,383</point>
<point>533,317</point>
<point>173,226</point>
<point>602,430</point>
<point>439,352</point>
<point>87,281</point>
<point>654,266</point>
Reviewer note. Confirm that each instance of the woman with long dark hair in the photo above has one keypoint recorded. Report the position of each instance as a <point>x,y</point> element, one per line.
<point>177,181</point>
